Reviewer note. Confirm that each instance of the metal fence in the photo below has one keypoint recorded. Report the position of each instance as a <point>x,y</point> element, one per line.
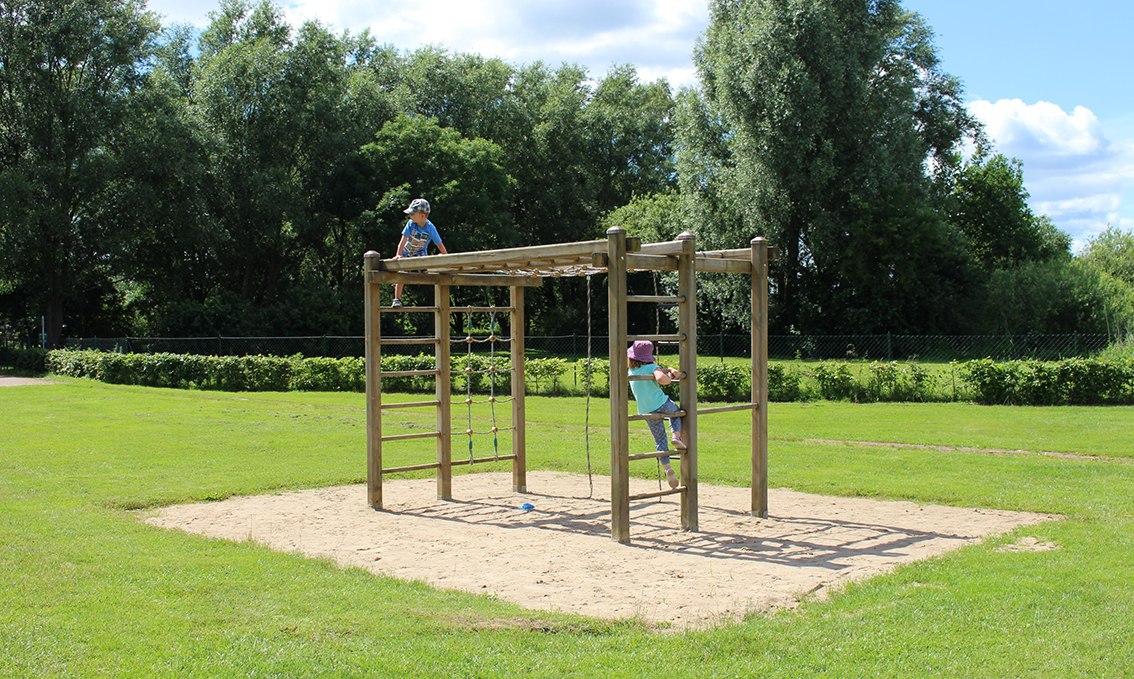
<point>888,347</point>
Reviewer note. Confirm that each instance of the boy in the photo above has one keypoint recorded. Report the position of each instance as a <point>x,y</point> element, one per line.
<point>416,237</point>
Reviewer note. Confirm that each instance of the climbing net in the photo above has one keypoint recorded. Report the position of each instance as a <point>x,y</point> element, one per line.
<point>492,372</point>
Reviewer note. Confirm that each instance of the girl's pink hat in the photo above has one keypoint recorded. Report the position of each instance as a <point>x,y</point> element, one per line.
<point>642,351</point>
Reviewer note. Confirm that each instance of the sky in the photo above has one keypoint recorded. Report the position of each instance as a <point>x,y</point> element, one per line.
<point>1050,79</point>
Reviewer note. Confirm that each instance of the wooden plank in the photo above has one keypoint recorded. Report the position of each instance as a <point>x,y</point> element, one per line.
<point>679,337</point>
<point>727,409</point>
<point>656,454</point>
<point>654,416</point>
<point>371,291</point>
<point>410,404</point>
<point>410,468</point>
<point>465,280</point>
<point>443,393</point>
<point>724,266</point>
<point>672,247</point>
<point>497,258</point>
<point>407,309</point>
<point>519,413</point>
<point>635,262</point>
<point>658,299</point>
<point>661,493</point>
<point>687,363</point>
<point>760,377</point>
<point>408,373</point>
<point>480,309</point>
<point>480,460</point>
<point>415,435</point>
<point>387,341</point>
<point>619,387</point>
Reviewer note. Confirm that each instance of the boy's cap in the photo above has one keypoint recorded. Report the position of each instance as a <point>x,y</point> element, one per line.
<point>642,351</point>
<point>417,205</point>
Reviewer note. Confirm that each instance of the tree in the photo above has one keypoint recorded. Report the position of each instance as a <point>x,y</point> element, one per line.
<point>989,204</point>
<point>1112,251</point>
<point>827,107</point>
<point>66,71</point>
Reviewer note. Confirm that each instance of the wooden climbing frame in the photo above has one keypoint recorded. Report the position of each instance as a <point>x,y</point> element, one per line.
<point>518,268</point>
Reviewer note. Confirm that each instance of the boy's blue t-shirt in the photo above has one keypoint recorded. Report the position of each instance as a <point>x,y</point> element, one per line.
<point>418,238</point>
<point>647,393</point>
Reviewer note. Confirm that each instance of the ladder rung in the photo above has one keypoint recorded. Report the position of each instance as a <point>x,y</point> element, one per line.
<point>659,453</point>
<point>408,373</point>
<point>408,340</point>
<point>413,404</point>
<point>411,468</point>
<point>481,309</point>
<point>408,309</point>
<point>726,409</point>
<point>659,493</point>
<point>679,337</point>
<point>661,299</point>
<point>499,458</point>
<point>646,378</point>
<point>406,437</point>
<point>656,416</point>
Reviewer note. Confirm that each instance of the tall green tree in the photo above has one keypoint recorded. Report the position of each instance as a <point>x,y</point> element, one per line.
<point>989,204</point>
<point>830,111</point>
<point>66,71</point>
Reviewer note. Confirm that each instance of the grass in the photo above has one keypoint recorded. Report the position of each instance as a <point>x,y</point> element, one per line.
<point>86,589</point>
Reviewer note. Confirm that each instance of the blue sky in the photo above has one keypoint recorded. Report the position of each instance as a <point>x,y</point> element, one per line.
<point>1049,79</point>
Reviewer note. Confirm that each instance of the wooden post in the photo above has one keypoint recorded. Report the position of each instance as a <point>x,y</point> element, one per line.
<point>619,386</point>
<point>760,378</point>
<point>519,415</point>
<point>372,278</point>
<point>443,392</point>
<point>687,326</point>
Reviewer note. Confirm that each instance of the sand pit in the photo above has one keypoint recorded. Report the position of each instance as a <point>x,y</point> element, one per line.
<point>559,555</point>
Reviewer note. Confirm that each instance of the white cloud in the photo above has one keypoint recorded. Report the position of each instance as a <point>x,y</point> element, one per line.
<point>1076,176</point>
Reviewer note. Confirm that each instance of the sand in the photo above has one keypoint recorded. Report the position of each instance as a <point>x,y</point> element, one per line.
<point>9,381</point>
<point>559,555</point>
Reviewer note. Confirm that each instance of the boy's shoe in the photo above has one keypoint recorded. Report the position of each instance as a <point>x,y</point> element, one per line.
<point>671,476</point>
<point>677,442</point>
<point>397,303</point>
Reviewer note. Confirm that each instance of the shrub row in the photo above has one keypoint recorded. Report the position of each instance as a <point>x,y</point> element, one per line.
<point>1071,381</point>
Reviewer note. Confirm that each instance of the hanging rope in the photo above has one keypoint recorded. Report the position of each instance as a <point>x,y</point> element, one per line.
<point>589,373</point>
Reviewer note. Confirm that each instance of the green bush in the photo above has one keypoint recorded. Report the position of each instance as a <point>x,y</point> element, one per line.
<point>545,370</point>
<point>896,382</point>
<point>723,382</point>
<point>836,383</point>
<point>598,370</point>
<point>1070,381</point>
<point>784,383</point>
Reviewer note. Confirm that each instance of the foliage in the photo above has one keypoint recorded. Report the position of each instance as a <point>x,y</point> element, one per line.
<point>1073,381</point>
<point>784,383</point>
<point>32,361</point>
<point>547,371</point>
<point>812,110</point>
<point>836,381</point>
<point>723,382</point>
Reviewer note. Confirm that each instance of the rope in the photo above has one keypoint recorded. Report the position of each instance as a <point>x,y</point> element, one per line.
<point>590,372</point>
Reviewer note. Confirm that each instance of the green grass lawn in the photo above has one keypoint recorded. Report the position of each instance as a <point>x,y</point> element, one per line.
<point>86,589</point>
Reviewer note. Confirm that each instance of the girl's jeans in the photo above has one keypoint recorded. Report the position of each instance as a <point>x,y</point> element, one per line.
<point>657,427</point>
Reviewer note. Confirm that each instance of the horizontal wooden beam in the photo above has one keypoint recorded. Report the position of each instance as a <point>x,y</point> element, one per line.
<point>451,279</point>
<point>727,409</point>
<point>711,265</point>
<point>658,299</point>
<point>490,258</point>
<point>656,454</point>
<point>407,437</point>
<point>660,493</point>
<point>410,404</point>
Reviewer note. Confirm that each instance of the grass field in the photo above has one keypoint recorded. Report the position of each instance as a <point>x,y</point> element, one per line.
<point>86,589</point>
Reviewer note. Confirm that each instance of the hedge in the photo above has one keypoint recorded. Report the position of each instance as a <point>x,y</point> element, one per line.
<point>1076,381</point>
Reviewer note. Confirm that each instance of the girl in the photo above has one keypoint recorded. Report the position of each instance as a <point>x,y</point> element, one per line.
<point>651,399</point>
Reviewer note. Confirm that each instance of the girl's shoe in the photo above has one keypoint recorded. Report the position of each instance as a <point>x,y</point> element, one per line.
<point>671,477</point>
<point>677,442</point>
